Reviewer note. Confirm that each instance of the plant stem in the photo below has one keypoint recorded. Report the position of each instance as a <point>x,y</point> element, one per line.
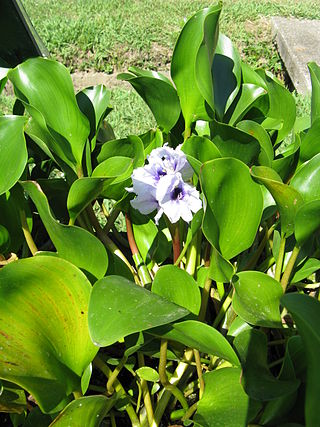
<point>187,133</point>
<point>205,298</point>
<point>110,219</point>
<point>181,369</point>
<point>255,257</point>
<point>288,270</point>
<point>280,259</point>
<point>142,269</point>
<point>164,379</point>
<point>221,291</point>
<point>227,302</point>
<point>193,251</point>
<point>146,393</point>
<point>77,394</point>
<point>190,412</point>
<point>115,374</point>
<point>27,235</point>
<point>99,363</point>
<point>175,241</point>
<point>199,372</point>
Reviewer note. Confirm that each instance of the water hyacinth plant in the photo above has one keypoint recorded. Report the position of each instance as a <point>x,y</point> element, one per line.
<point>205,310</point>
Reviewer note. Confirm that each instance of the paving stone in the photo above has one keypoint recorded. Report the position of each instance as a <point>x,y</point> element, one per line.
<point>298,43</point>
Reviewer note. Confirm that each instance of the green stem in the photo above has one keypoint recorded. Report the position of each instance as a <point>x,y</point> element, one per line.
<point>98,362</point>
<point>110,219</point>
<point>279,264</point>
<point>288,270</point>
<point>26,232</point>
<point>227,302</point>
<point>190,412</point>
<point>142,269</point>
<point>115,374</point>
<point>205,298</point>
<point>221,291</point>
<point>187,133</point>
<point>255,257</point>
<point>181,369</point>
<point>193,251</point>
<point>77,394</point>
<point>146,393</point>
<point>199,372</point>
<point>164,379</point>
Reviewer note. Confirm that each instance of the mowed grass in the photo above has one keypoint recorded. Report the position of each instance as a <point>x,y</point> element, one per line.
<point>111,35</point>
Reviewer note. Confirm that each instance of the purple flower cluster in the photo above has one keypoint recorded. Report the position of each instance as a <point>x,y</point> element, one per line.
<point>160,185</point>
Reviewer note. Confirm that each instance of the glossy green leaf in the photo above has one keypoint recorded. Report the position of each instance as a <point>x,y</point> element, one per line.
<point>86,411</point>
<point>4,240</point>
<point>286,163</point>
<point>177,286</point>
<point>158,93</point>
<point>119,308</point>
<point>314,71</point>
<point>13,151</point>
<point>257,298</point>
<point>191,64</point>
<point>306,179</point>
<point>310,145</point>
<point>203,337</point>
<point>307,222</point>
<point>256,130</point>
<point>226,74</point>
<point>249,94</point>
<point>199,150</point>
<point>148,374</point>
<point>151,140</point>
<point>44,328</point>
<point>61,125</point>
<point>305,311</point>
<point>85,379</point>
<point>94,104</point>
<point>233,142</point>
<point>287,198</point>
<point>309,267</point>
<point>72,243</point>
<point>224,402</point>
<point>257,380</point>
<point>282,105</point>
<point>234,205</point>
<point>220,270</point>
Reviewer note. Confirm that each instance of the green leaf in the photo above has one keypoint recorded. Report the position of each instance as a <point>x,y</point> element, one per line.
<point>199,150</point>
<point>12,398</point>
<point>86,411</point>
<point>177,286</point>
<point>307,222</point>
<point>94,104</point>
<point>191,64</point>
<point>282,105</point>
<point>64,129</point>
<point>158,93</point>
<point>257,298</point>
<point>234,205</point>
<point>233,142</point>
<point>314,71</point>
<point>72,243</point>
<point>4,240</point>
<point>257,380</point>
<point>148,374</point>
<point>286,163</point>
<point>44,328</point>
<point>203,337</point>
<point>310,145</point>
<point>119,308</point>
<point>256,130</point>
<point>85,379</point>
<point>230,404</point>
<point>13,151</point>
<point>306,179</point>
<point>249,94</point>
<point>309,267</point>
<point>151,140</point>
<point>287,198</point>
<point>226,74</point>
<point>220,269</point>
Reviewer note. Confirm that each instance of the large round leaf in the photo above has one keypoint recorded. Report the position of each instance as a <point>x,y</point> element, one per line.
<point>224,402</point>
<point>13,151</point>
<point>44,339</point>
<point>305,311</point>
<point>307,222</point>
<point>191,63</point>
<point>257,298</point>
<point>86,411</point>
<point>306,179</point>
<point>177,286</point>
<point>72,243</point>
<point>310,145</point>
<point>199,150</point>
<point>119,308</point>
<point>234,205</point>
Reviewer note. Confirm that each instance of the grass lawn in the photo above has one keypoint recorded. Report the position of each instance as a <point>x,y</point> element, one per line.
<point>111,35</point>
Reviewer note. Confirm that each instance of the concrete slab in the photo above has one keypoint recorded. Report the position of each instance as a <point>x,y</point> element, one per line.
<point>298,43</point>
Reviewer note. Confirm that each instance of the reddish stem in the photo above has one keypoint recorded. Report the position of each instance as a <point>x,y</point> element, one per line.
<point>176,242</point>
<point>132,242</point>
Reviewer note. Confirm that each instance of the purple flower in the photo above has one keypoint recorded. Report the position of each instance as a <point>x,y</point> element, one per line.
<point>160,186</point>
<point>177,199</point>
